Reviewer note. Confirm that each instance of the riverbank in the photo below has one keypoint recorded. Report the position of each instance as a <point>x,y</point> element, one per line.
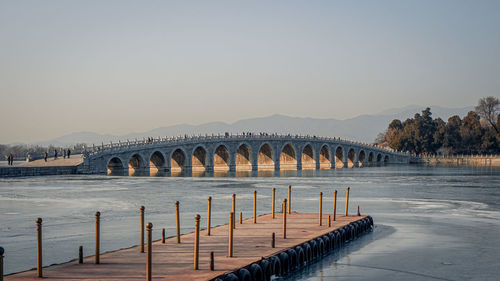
<point>465,160</point>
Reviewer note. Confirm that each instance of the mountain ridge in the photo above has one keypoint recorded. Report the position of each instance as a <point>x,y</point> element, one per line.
<point>364,127</point>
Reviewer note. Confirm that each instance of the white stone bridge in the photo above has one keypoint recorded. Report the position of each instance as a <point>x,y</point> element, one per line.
<point>250,152</point>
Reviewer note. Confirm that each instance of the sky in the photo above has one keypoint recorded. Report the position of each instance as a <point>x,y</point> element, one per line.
<point>130,66</point>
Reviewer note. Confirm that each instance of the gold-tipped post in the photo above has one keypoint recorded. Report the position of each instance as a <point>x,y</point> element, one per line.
<point>234,209</point>
<point>230,242</point>
<point>255,206</point>
<point>209,214</point>
<point>347,201</point>
<point>97,236</point>
<point>177,222</point>
<point>39,247</point>
<point>284,218</point>
<point>142,228</point>
<point>274,200</point>
<point>320,209</point>
<point>149,261</point>
<point>289,199</point>
<point>334,204</point>
<point>196,241</point>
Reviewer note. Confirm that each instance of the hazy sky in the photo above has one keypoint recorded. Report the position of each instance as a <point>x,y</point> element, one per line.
<point>130,66</point>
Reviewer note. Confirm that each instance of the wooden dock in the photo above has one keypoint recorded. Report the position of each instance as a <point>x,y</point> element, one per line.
<point>173,261</point>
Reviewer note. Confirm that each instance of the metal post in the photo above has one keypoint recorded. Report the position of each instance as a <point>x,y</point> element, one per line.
<point>284,218</point>
<point>358,211</point>
<point>163,235</point>
<point>274,193</point>
<point>231,221</point>
<point>320,211</point>
<point>289,199</point>
<point>212,262</point>
<point>255,206</point>
<point>234,209</point>
<point>80,254</point>
<point>273,241</point>
<point>334,204</point>
<point>150,251</point>
<point>329,221</point>
<point>347,202</point>
<point>1,263</point>
<point>97,238</point>
<point>241,218</point>
<point>209,214</point>
<point>196,241</point>
<point>177,222</point>
<point>39,247</point>
<point>142,228</point>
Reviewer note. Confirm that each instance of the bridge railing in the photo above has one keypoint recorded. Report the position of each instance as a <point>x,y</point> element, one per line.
<point>121,145</point>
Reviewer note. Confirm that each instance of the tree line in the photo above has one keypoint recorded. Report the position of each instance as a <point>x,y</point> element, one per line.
<point>476,133</point>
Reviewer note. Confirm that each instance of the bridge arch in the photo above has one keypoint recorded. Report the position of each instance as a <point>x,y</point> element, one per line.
<point>308,159</point>
<point>361,158</point>
<point>157,163</point>
<point>199,158</point>
<point>177,161</point>
<point>221,158</point>
<point>243,157</point>
<point>379,159</point>
<point>339,157</point>
<point>370,158</point>
<point>115,167</point>
<point>325,157</point>
<point>351,158</point>
<point>136,165</point>
<point>386,159</point>
<point>265,159</point>
<point>288,157</point>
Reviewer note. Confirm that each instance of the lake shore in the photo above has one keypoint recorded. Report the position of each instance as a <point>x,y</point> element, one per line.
<point>465,160</point>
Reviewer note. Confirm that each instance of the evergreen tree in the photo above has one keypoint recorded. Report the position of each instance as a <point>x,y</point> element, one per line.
<point>471,132</point>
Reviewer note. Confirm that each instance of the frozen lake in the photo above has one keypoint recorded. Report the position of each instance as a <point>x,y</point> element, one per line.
<point>432,223</point>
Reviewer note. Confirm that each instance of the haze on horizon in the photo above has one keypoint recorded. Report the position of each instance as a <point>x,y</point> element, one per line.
<point>129,66</point>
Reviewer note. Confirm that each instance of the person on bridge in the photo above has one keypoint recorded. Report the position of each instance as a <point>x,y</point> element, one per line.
<point>64,153</point>
<point>69,153</point>
<point>45,156</point>
<point>55,154</point>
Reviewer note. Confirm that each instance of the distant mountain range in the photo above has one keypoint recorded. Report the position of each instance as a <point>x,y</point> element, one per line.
<point>361,128</point>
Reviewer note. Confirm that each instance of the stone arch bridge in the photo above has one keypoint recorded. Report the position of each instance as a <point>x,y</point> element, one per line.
<point>170,156</point>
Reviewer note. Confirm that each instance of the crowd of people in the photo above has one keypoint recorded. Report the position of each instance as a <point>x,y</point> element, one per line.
<point>66,154</point>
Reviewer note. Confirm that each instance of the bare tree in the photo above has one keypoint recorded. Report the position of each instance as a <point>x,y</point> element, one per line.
<point>487,108</point>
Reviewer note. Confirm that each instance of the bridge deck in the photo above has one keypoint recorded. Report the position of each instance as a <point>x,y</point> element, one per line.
<point>75,160</point>
<point>172,261</point>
